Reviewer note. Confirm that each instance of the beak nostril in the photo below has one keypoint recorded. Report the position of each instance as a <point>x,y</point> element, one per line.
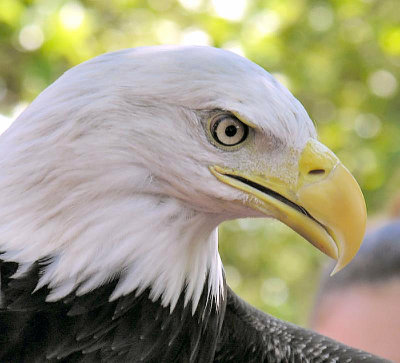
<point>316,172</point>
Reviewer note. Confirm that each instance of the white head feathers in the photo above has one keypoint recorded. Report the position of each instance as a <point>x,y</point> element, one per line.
<point>107,174</point>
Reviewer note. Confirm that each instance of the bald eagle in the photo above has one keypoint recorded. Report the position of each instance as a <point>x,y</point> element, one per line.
<point>112,185</point>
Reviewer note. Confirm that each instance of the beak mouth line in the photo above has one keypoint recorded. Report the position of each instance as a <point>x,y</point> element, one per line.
<point>287,211</point>
<point>277,196</point>
<point>272,193</point>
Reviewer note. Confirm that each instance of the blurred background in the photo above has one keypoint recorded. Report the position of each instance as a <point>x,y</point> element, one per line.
<point>340,58</point>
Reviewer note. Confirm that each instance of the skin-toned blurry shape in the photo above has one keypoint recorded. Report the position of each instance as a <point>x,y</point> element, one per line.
<point>360,307</point>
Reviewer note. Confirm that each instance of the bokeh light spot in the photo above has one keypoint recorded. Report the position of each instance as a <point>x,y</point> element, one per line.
<point>230,10</point>
<point>367,125</point>
<point>192,5</point>
<point>382,83</point>
<point>266,22</point>
<point>356,30</point>
<point>167,32</point>
<point>321,17</point>
<point>31,37</point>
<point>274,291</point>
<point>72,15</point>
<point>193,36</point>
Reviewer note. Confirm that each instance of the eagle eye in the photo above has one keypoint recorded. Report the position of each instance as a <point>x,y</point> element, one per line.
<point>227,130</point>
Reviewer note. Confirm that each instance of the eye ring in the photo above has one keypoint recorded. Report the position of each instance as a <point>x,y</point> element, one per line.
<point>227,130</point>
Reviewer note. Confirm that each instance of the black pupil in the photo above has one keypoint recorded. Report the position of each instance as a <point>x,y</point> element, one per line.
<point>231,131</point>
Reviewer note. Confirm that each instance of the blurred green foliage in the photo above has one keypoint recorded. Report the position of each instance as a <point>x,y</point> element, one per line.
<point>341,58</point>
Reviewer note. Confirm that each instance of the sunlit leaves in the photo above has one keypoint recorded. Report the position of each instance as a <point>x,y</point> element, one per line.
<point>10,11</point>
<point>390,40</point>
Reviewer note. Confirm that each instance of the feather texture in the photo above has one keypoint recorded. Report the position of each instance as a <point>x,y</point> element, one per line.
<point>133,328</point>
<point>108,213</point>
<point>89,328</point>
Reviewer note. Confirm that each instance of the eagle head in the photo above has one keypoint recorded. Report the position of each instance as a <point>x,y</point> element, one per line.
<point>124,167</point>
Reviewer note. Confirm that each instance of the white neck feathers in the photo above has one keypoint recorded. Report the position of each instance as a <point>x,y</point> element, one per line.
<point>146,240</point>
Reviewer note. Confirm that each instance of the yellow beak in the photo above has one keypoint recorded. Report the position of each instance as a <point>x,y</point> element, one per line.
<point>326,206</point>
